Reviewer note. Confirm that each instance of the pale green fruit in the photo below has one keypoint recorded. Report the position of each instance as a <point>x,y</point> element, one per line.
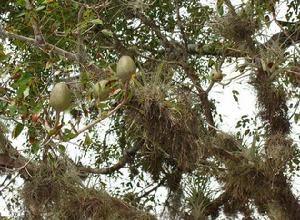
<point>125,68</point>
<point>101,90</point>
<point>216,76</point>
<point>60,97</point>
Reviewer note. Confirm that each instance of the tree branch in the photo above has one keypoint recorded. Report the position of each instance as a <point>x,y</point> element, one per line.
<point>203,96</point>
<point>35,26</point>
<point>288,36</point>
<point>104,116</point>
<point>80,47</point>
<point>10,158</point>
<point>47,47</point>
<point>230,7</point>
<point>152,25</point>
<point>285,39</point>
<point>108,170</point>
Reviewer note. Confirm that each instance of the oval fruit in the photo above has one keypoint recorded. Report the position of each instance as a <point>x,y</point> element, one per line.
<point>60,97</point>
<point>216,76</point>
<point>125,68</point>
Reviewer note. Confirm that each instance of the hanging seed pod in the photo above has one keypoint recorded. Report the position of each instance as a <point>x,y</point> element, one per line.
<point>216,76</point>
<point>125,68</point>
<point>60,97</point>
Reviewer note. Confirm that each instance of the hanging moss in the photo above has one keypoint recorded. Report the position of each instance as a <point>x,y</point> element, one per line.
<point>272,103</point>
<point>55,192</point>
<point>237,28</point>
<point>169,131</point>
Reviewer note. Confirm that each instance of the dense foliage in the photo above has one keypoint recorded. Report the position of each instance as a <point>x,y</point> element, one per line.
<point>159,130</point>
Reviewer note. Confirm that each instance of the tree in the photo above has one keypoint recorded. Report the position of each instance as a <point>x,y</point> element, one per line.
<point>164,130</point>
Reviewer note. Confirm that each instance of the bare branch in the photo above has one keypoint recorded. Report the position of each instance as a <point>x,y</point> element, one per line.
<point>153,189</point>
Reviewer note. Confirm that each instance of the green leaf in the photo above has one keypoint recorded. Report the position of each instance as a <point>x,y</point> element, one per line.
<point>84,77</point>
<point>35,148</point>
<point>68,135</point>
<point>296,118</point>
<point>61,148</point>
<point>211,62</point>
<point>96,21</point>
<point>87,140</point>
<point>17,130</point>
<point>12,110</point>
<point>220,8</point>
<point>102,105</point>
<point>107,32</point>
<point>23,82</point>
<point>40,8</point>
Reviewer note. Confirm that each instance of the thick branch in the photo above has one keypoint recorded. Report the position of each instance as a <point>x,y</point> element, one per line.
<point>284,196</point>
<point>10,158</point>
<point>214,49</point>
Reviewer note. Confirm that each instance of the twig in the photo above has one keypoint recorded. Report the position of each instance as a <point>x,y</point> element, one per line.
<point>230,7</point>
<point>102,117</point>
<point>80,47</point>
<point>108,170</point>
<point>285,33</point>
<point>22,167</point>
<point>11,180</point>
<point>151,190</point>
<point>294,112</point>
<point>35,26</point>
<point>210,87</point>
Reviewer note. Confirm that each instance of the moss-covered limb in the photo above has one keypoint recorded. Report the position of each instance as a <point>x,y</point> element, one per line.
<point>56,192</point>
<point>247,177</point>
<point>272,102</point>
<point>285,198</point>
<point>273,110</point>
